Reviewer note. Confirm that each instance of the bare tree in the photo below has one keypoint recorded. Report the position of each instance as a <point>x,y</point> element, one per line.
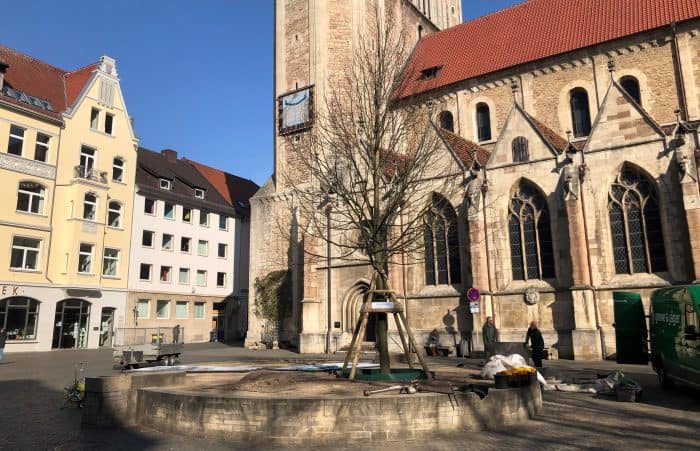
<point>375,165</point>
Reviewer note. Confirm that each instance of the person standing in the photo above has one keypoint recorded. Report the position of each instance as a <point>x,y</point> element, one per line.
<point>490,335</point>
<point>3,339</point>
<point>176,334</point>
<point>534,336</point>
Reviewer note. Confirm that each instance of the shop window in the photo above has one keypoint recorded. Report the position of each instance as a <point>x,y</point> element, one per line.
<point>18,316</point>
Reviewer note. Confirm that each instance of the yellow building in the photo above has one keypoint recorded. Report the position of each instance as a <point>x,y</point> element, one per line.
<point>67,168</point>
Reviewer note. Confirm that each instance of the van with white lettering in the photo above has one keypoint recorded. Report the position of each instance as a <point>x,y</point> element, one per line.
<point>675,341</point>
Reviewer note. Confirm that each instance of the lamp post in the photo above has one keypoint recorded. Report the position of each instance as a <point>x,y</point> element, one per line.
<point>328,273</point>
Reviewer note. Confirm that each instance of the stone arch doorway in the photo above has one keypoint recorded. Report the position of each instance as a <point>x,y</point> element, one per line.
<point>351,309</point>
<point>70,327</point>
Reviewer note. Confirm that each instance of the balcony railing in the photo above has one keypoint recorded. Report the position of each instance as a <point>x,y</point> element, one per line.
<point>82,172</point>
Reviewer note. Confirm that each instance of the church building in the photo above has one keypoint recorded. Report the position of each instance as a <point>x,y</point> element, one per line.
<point>575,125</point>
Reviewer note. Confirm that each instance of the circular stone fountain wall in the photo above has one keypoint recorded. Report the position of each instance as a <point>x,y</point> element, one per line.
<point>212,407</point>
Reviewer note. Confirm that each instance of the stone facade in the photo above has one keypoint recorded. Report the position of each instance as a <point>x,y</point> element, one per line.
<point>571,297</point>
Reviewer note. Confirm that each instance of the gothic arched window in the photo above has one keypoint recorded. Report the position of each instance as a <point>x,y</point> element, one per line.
<point>635,223</point>
<point>520,150</point>
<point>580,112</point>
<point>483,122</point>
<point>446,121</point>
<point>442,261</point>
<point>531,252</point>
<point>631,86</point>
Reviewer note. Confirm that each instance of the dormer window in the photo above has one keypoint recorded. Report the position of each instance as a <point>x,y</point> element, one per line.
<point>199,193</point>
<point>165,184</point>
<point>429,73</point>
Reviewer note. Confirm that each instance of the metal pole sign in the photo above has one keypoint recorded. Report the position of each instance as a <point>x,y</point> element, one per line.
<point>473,295</point>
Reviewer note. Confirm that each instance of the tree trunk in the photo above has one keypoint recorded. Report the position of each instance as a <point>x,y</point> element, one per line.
<point>382,329</point>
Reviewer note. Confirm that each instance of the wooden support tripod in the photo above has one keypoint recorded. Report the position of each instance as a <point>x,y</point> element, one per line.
<point>390,306</point>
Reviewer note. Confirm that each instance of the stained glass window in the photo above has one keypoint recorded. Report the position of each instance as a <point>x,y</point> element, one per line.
<point>531,251</point>
<point>441,240</point>
<point>635,224</point>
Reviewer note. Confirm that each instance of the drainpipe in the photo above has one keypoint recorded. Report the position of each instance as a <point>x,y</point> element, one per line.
<point>53,204</point>
<point>484,190</point>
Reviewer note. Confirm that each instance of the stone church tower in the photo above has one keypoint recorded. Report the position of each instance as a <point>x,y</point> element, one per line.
<point>314,42</point>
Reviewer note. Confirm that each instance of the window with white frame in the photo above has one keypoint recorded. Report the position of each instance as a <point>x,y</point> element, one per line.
<point>168,210</point>
<point>165,272</point>
<point>199,193</point>
<point>223,222</point>
<point>118,169</point>
<point>201,278</point>
<point>186,214</point>
<point>220,279</point>
<point>14,146</point>
<point>167,242</point>
<point>203,218</point>
<point>163,309</point>
<point>199,310</point>
<point>30,197</point>
<point>223,250</point>
<point>147,238</point>
<point>94,118</point>
<point>149,206</point>
<point>181,309</point>
<point>25,253</point>
<point>143,310</point>
<point>110,262</point>
<point>203,248</point>
<point>114,214</point>
<point>165,184</point>
<point>145,271</point>
<point>90,206</point>
<point>184,276</point>
<point>85,258</point>
<point>185,244</point>
<point>109,123</point>
<point>41,148</point>
<point>87,161</point>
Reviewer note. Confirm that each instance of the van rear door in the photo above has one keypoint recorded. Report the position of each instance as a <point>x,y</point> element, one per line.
<point>630,328</point>
<point>691,339</point>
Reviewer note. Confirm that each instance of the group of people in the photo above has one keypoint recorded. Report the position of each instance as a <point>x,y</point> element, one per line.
<point>533,337</point>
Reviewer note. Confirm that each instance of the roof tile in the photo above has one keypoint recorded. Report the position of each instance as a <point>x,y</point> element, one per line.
<point>531,31</point>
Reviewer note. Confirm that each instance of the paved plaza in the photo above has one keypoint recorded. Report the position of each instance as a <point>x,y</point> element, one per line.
<point>31,394</point>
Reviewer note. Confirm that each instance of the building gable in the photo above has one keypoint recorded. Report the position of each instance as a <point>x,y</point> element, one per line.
<point>540,142</point>
<point>621,122</point>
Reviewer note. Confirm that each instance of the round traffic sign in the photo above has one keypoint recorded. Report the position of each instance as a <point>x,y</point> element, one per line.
<point>473,294</point>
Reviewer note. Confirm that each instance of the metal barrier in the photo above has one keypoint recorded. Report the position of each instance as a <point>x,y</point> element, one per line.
<point>136,336</point>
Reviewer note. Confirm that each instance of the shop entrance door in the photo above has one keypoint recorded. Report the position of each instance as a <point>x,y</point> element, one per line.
<point>71,324</point>
<point>106,326</point>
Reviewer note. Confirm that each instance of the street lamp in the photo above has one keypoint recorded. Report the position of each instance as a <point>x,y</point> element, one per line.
<point>328,206</point>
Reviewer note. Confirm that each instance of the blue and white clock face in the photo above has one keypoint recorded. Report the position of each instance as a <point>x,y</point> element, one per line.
<point>295,110</point>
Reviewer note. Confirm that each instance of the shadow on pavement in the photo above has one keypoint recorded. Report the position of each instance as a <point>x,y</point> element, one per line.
<point>32,418</point>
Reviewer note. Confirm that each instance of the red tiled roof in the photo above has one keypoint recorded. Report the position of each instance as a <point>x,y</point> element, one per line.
<point>75,81</point>
<point>231,187</point>
<point>39,79</point>
<point>531,31</point>
<point>465,149</point>
<point>555,140</point>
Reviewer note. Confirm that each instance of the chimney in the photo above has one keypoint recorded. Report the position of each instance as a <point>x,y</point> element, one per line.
<point>3,69</point>
<point>169,154</point>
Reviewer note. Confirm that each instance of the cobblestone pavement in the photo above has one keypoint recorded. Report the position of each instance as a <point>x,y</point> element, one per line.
<point>31,394</point>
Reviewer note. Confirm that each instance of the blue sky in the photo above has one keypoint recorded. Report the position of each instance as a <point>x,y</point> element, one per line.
<point>197,76</point>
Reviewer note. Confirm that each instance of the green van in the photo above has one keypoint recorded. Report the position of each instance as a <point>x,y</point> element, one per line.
<point>675,341</point>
